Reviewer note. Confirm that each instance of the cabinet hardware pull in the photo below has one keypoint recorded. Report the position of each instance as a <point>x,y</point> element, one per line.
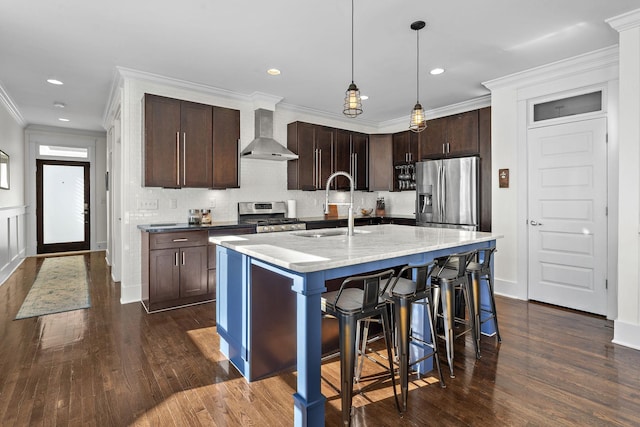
<point>182,239</point>
<point>320,168</point>
<point>448,150</point>
<point>182,258</point>
<point>176,261</point>
<point>184,158</point>
<point>178,159</point>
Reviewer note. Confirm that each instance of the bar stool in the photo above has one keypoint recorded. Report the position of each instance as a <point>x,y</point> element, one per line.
<point>402,293</point>
<point>359,298</point>
<point>478,271</point>
<point>450,275</point>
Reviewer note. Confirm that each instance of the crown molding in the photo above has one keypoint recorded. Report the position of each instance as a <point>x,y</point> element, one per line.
<point>11,107</point>
<point>599,59</point>
<point>460,107</point>
<point>128,73</point>
<point>626,21</point>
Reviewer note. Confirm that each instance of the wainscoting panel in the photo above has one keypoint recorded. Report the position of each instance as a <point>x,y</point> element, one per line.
<point>12,239</point>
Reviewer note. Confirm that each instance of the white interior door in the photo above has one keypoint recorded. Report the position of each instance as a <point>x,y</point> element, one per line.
<point>567,215</point>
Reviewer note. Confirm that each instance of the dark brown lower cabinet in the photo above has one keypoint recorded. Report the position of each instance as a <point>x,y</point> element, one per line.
<point>174,269</point>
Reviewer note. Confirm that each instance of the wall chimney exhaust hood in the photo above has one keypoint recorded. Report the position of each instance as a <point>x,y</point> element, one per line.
<point>264,146</point>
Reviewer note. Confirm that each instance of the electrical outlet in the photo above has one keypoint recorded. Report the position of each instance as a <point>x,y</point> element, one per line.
<point>212,203</point>
<point>173,203</point>
<point>147,204</point>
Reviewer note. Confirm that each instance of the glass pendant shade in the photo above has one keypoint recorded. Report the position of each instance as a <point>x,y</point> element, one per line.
<point>352,101</point>
<point>418,122</point>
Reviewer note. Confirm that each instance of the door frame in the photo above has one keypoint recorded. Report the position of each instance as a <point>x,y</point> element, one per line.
<point>94,142</point>
<point>609,111</point>
<point>85,244</point>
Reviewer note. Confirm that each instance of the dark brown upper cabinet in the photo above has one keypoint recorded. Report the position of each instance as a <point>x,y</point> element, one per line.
<point>314,145</point>
<point>178,143</point>
<point>226,137</point>
<point>187,144</point>
<point>406,147</point>
<point>351,150</point>
<point>451,136</point>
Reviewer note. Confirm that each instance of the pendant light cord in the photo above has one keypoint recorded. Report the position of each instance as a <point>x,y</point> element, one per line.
<point>418,66</point>
<point>352,21</point>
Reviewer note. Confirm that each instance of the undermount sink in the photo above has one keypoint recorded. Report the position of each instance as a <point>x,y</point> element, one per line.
<point>327,232</point>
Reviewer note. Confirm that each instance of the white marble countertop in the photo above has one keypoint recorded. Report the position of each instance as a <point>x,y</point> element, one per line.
<point>371,243</point>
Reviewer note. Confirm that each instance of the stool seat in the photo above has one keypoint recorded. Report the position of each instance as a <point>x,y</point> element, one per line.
<point>349,302</point>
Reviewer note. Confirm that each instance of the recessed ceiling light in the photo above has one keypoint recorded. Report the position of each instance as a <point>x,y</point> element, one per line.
<point>364,97</point>
<point>59,104</point>
<point>54,81</point>
<point>437,71</point>
<point>273,72</point>
<point>63,120</point>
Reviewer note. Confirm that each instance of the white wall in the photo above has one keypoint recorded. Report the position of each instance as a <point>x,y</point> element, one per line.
<point>12,202</point>
<point>627,325</point>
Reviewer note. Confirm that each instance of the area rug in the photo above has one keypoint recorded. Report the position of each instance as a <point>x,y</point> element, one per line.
<point>61,285</point>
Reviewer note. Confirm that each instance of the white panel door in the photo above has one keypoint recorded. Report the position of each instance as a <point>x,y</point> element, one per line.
<point>567,215</point>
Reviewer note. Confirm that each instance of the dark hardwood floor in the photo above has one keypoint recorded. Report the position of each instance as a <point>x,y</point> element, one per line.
<point>115,365</point>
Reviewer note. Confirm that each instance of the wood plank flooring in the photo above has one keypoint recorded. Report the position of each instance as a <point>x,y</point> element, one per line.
<point>115,365</point>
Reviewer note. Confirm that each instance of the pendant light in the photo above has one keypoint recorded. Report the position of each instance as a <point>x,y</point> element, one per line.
<point>418,122</point>
<point>352,100</point>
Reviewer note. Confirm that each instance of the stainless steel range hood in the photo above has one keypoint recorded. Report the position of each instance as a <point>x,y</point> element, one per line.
<point>264,146</point>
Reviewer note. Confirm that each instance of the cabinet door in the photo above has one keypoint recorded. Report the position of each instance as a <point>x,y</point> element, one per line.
<point>343,160</point>
<point>193,271</point>
<point>301,173</point>
<point>360,155</point>
<point>161,141</point>
<point>381,163</point>
<point>164,275</point>
<point>196,145</point>
<point>401,147</point>
<point>462,134</point>
<point>433,139</point>
<point>324,140</point>
<point>226,133</point>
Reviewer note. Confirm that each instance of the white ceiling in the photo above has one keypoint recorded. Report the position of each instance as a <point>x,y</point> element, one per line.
<point>231,44</point>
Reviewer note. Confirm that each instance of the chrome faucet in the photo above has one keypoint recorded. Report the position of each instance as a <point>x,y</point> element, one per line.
<point>350,204</point>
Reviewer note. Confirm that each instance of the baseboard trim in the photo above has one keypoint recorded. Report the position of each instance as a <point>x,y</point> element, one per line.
<point>508,288</point>
<point>626,334</point>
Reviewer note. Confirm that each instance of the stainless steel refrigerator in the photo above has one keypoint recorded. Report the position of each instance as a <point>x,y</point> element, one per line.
<point>447,193</point>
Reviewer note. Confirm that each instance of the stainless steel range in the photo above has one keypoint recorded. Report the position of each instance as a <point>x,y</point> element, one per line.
<point>268,217</point>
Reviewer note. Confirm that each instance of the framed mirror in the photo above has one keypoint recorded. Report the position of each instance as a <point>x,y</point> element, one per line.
<point>4,170</point>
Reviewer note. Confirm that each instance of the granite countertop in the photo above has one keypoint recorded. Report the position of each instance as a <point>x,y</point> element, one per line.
<point>170,226</point>
<point>167,226</point>
<point>292,251</point>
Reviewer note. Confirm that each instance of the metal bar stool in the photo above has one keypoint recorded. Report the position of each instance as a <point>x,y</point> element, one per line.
<point>477,271</point>
<point>359,298</point>
<point>402,293</point>
<point>450,275</point>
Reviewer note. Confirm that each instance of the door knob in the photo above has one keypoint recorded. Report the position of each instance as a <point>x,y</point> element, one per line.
<point>535,223</point>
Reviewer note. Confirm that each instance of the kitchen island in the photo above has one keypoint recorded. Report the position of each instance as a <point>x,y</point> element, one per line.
<point>306,261</point>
